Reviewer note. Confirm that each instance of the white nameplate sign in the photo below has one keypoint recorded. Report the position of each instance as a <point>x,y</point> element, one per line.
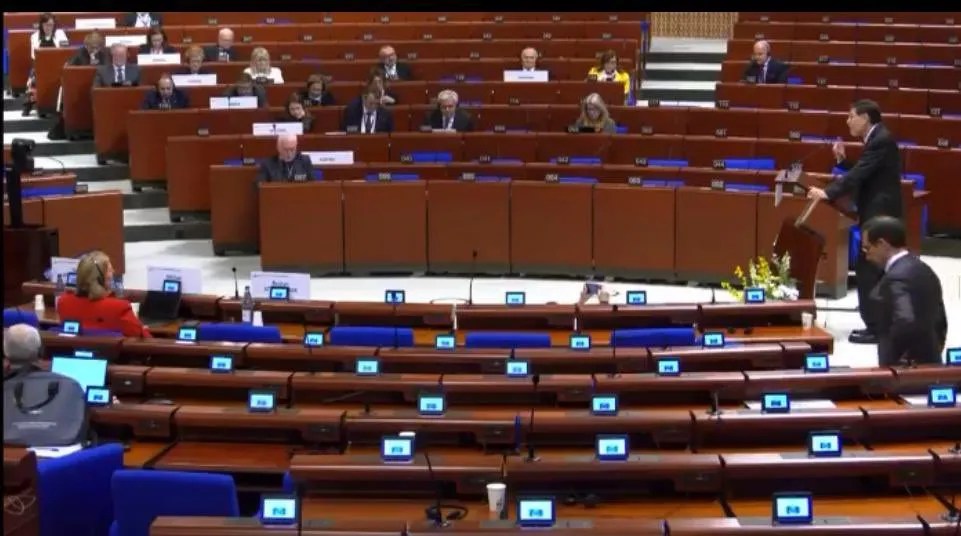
<point>190,278</point>
<point>526,76</point>
<point>158,59</point>
<point>331,158</point>
<point>188,80</point>
<point>299,284</point>
<point>273,129</point>
<point>94,24</point>
<point>129,40</point>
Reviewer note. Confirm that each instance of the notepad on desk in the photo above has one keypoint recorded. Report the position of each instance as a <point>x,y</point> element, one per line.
<point>56,452</point>
<point>797,404</point>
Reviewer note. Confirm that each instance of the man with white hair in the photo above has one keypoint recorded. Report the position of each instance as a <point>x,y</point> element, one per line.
<point>448,115</point>
<point>764,69</point>
<point>22,349</point>
<point>288,165</point>
<point>119,72</point>
<point>224,50</point>
<point>393,69</point>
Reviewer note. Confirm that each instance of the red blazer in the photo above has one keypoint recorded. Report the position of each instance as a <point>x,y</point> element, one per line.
<point>109,313</point>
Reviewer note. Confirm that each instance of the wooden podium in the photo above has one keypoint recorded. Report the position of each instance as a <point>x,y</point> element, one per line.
<point>26,255</point>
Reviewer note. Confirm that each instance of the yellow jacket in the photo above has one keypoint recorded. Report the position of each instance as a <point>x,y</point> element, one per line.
<point>619,76</point>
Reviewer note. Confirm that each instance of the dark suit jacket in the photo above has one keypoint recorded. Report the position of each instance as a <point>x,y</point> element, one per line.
<point>463,121</point>
<point>403,70</point>
<point>185,69</point>
<point>82,57</point>
<point>354,116</point>
<point>104,76</point>
<point>178,101</point>
<point>326,99</point>
<point>273,170</point>
<point>156,19</point>
<point>307,121</point>
<point>776,72</point>
<point>259,91</point>
<point>874,182</point>
<point>212,53</point>
<point>145,49</point>
<point>913,323</point>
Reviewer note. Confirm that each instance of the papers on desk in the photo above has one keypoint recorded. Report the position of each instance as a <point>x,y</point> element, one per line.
<point>95,24</point>
<point>158,59</point>
<point>56,452</point>
<point>129,40</point>
<point>796,404</point>
<point>275,129</point>
<point>190,278</point>
<point>525,76</point>
<point>194,80</point>
<point>233,103</point>
<point>299,284</point>
<point>330,158</point>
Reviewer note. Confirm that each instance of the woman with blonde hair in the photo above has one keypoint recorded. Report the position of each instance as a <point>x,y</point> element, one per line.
<point>594,115</point>
<point>260,69</point>
<point>94,305</point>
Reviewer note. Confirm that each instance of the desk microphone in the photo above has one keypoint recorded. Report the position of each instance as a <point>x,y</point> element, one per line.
<point>531,454</point>
<point>715,409</point>
<point>473,274</point>
<point>434,512</point>
<point>236,284</point>
<point>349,396</point>
<point>614,373</point>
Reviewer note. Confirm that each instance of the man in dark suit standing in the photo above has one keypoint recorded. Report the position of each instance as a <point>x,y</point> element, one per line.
<point>224,51</point>
<point>764,69</point>
<point>366,115</point>
<point>912,323</point>
<point>874,184</point>
<point>288,165</point>
<point>118,72</point>
<point>448,116</point>
<point>393,69</point>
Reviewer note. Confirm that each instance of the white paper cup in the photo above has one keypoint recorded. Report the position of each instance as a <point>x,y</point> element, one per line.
<point>38,304</point>
<point>807,320</point>
<point>258,318</point>
<point>496,493</point>
<point>136,308</point>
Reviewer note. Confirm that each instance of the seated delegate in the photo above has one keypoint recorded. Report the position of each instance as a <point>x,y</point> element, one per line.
<point>316,92</point>
<point>607,71</point>
<point>118,72</point>
<point>448,115</point>
<point>260,69</point>
<point>288,165</point>
<point>763,69</point>
<point>194,58</point>
<point>366,115</point>
<point>94,304</point>
<point>156,43</point>
<point>165,96</point>
<point>295,112</point>
<point>245,87</point>
<point>594,116</point>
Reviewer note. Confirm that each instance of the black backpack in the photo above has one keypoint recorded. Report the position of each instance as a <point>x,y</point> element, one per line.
<point>43,409</point>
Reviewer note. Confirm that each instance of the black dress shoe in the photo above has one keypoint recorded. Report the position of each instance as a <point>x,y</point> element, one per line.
<point>864,337</point>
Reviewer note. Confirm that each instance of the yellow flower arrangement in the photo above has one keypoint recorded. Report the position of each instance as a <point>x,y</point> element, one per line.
<point>777,282</point>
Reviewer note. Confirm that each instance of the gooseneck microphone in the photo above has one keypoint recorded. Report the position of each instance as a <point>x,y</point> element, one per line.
<point>473,274</point>
<point>531,454</point>
<point>236,284</point>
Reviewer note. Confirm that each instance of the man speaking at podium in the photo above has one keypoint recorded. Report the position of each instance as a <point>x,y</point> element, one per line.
<point>874,185</point>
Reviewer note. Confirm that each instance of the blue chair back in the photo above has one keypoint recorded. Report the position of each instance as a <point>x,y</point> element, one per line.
<point>41,191</point>
<point>375,177</point>
<point>577,180</point>
<point>74,491</point>
<point>507,339</point>
<point>654,337</point>
<point>666,162</point>
<point>238,332</point>
<point>749,163</point>
<point>744,187</point>
<point>370,336</point>
<point>139,496</point>
<point>581,160</point>
<point>662,183</point>
<point>13,316</point>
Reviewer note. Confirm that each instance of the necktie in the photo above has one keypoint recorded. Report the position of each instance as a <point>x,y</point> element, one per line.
<point>763,74</point>
<point>369,123</point>
<point>449,122</point>
<point>119,78</point>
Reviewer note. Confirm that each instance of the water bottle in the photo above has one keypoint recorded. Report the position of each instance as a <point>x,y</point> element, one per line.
<point>61,286</point>
<point>118,286</point>
<point>247,307</point>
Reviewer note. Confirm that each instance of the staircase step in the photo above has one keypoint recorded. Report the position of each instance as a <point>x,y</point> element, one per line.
<point>683,56</point>
<point>671,94</point>
<point>683,71</point>
<point>145,199</point>
<point>196,230</point>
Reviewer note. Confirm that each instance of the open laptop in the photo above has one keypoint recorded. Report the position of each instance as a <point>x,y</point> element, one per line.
<point>159,307</point>
<point>88,372</point>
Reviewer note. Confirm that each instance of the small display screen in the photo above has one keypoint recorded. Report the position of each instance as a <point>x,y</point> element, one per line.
<point>71,327</point>
<point>580,342</point>
<point>83,353</point>
<point>98,396</point>
<point>278,510</point>
<point>445,342</point>
<point>397,449</point>
<point>942,396</point>
<point>279,293</point>
<point>776,403</point>
<point>515,298</point>
<point>612,447</point>
<point>604,404</point>
<point>816,363</point>
<point>313,339</point>
<point>517,369</point>
<point>793,509</point>
<point>431,404</point>
<point>535,512</point>
<point>713,340</point>
<point>637,297</point>
<point>824,444</point>
<point>261,400</point>
<point>668,367</point>
<point>754,295</point>
<point>221,363</point>
<point>171,285</point>
<point>367,367</point>
<point>187,334</point>
<point>953,356</point>
<point>395,296</point>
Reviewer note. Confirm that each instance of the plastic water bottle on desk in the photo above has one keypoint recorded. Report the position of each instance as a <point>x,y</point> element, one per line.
<point>247,306</point>
<point>61,288</point>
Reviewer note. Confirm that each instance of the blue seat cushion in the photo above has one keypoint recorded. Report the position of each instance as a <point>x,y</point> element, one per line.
<point>370,336</point>
<point>507,339</point>
<point>14,315</point>
<point>644,337</point>
<point>238,332</point>
<point>749,163</point>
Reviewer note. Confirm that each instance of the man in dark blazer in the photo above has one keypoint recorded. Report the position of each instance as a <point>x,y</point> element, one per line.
<point>165,96</point>
<point>138,19</point>
<point>912,323</point>
<point>366,115</point>
<point>91,53</point>
<point>288,165</point>
<point>224,50</point>
<point>393,69</point>
<point>118,72</point>
<point>764,69</point>
<point>874,185</point>
<point>448,116</point>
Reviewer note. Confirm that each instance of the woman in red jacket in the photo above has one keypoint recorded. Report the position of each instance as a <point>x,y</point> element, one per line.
<point>94,304</point>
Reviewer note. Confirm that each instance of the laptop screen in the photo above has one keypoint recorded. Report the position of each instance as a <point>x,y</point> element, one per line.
<point>88,372</point>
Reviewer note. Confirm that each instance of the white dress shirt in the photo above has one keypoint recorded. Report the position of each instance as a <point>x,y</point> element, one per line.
<point>59,38</point>
<point>373,122</point>
<point>868,135</point>
<point>894,259</point>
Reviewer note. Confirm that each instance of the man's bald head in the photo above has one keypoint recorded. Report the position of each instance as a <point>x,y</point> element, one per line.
<point>762,51</point>
<point>287,147</point>
<point>225,38</point>
<point>21,345</point>
<point>529,58</point>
